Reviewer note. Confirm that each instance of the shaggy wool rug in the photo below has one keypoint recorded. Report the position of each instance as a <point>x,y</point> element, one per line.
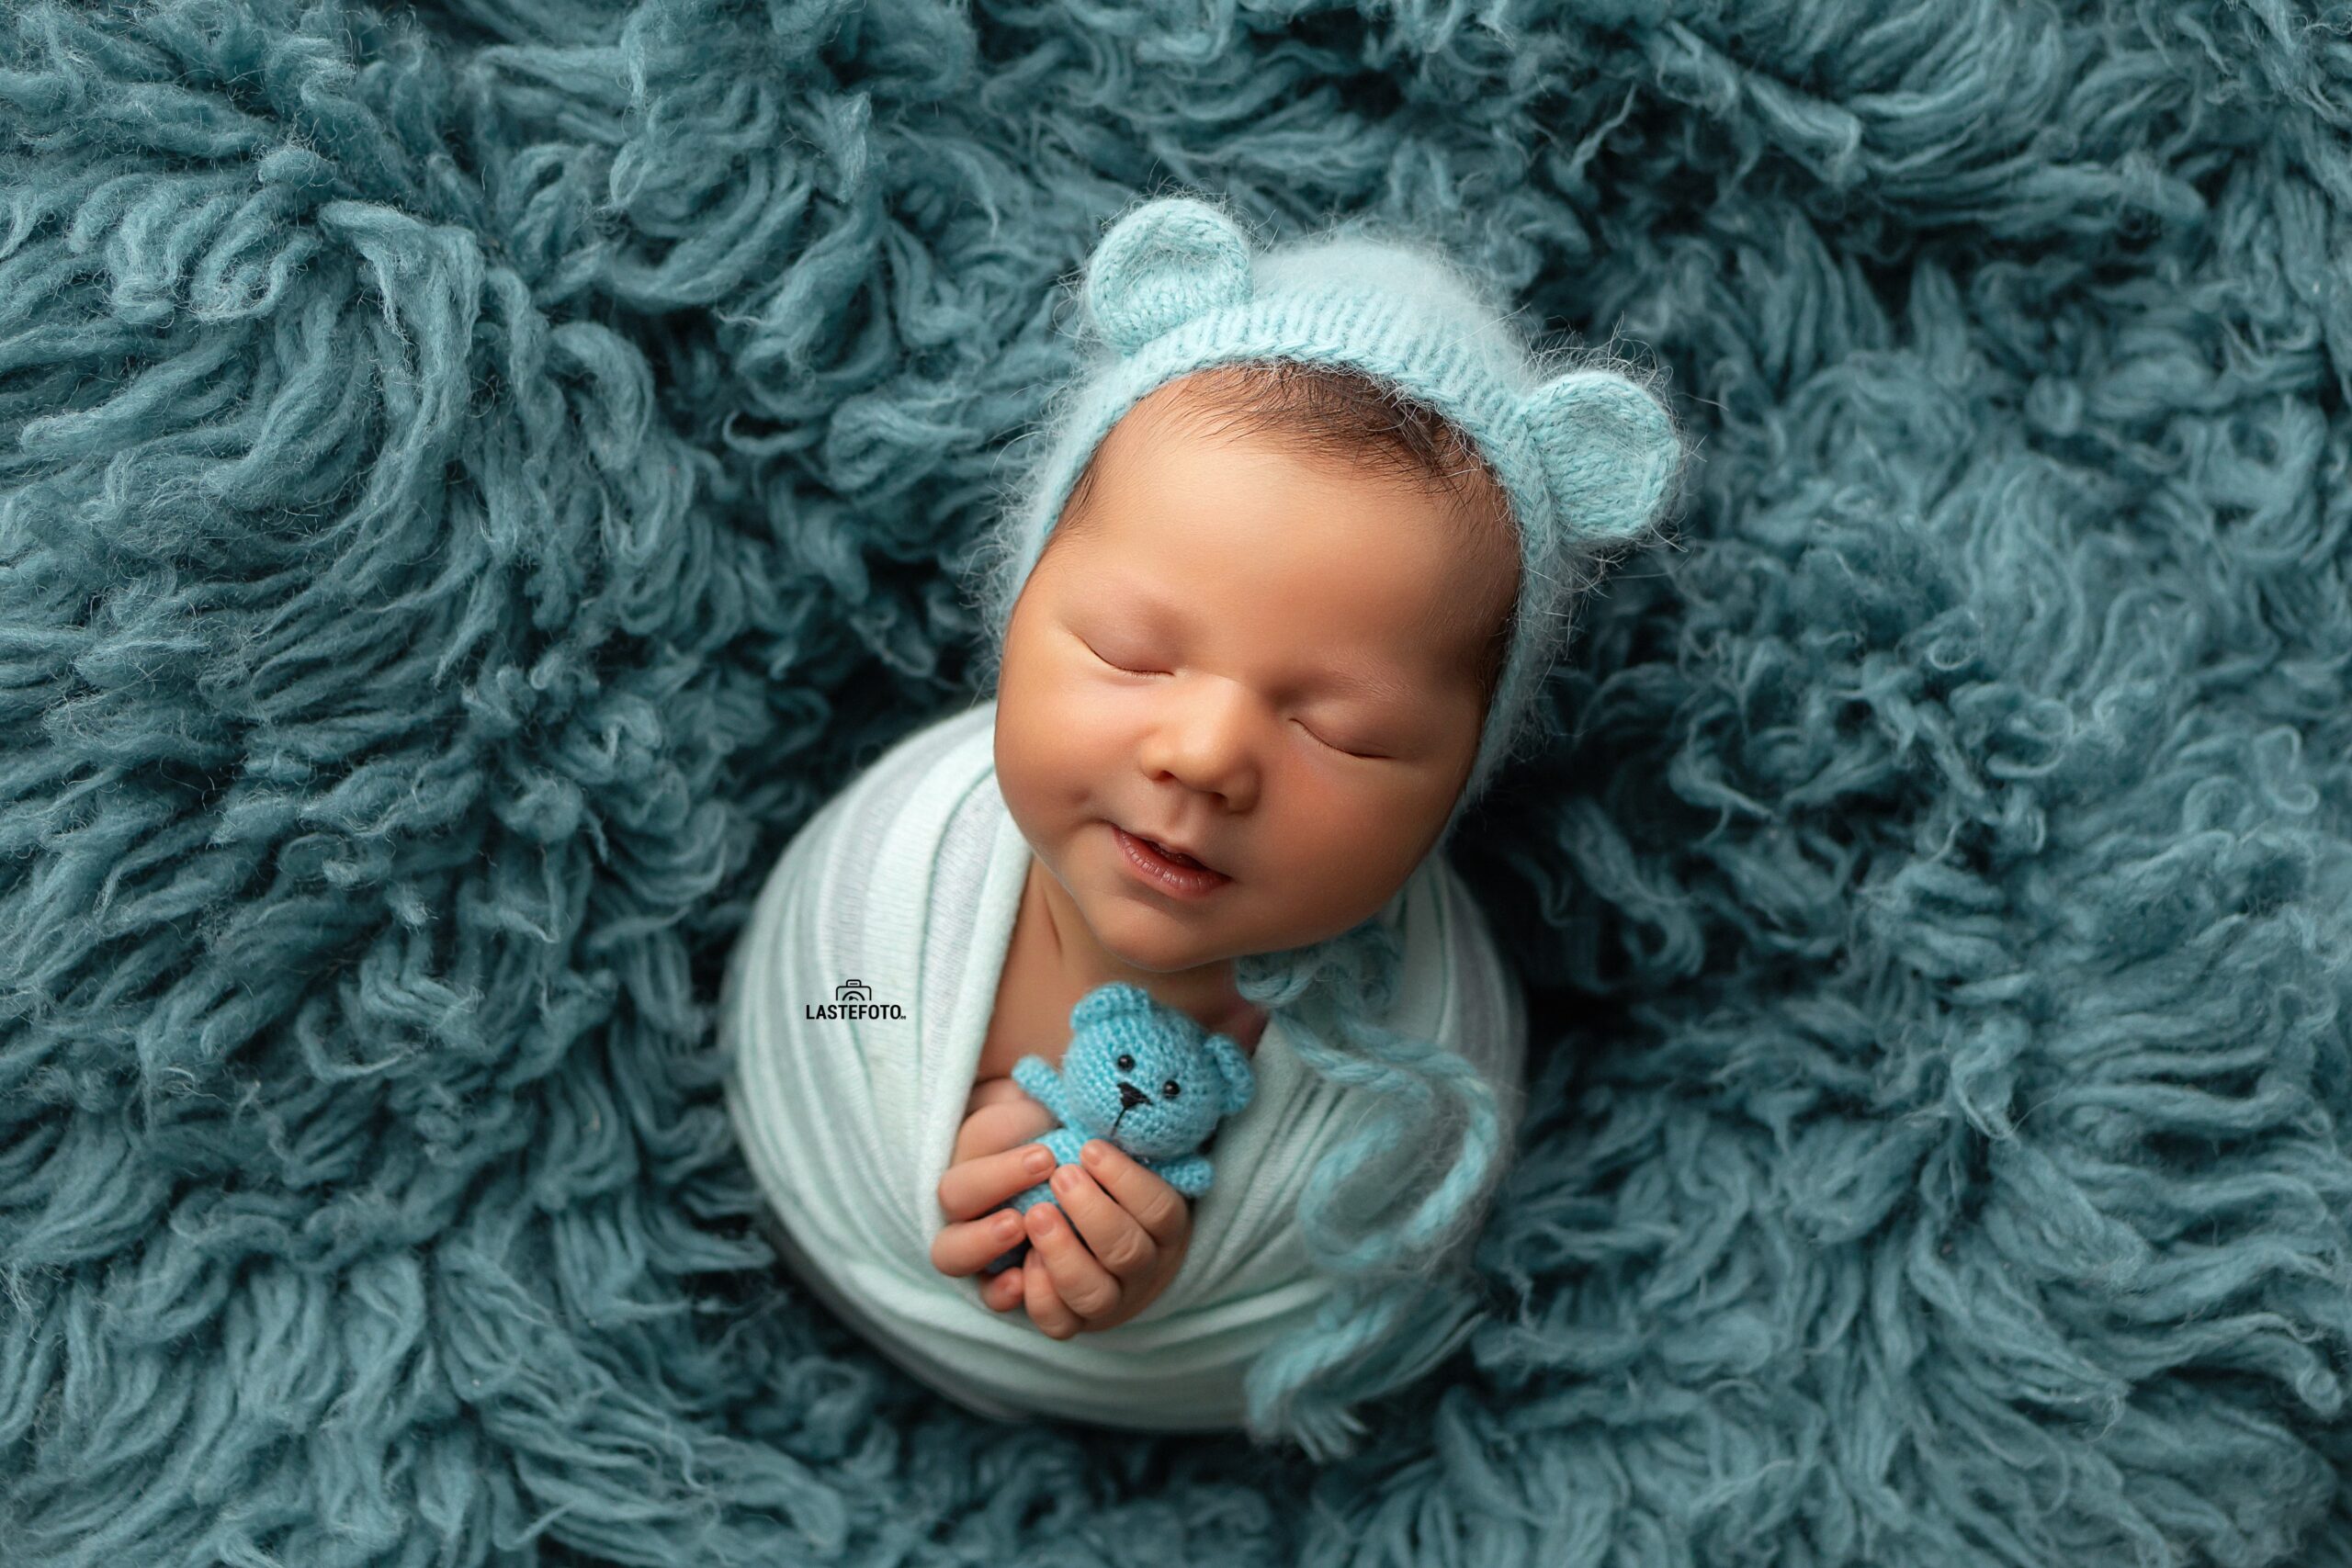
<point>475,475</point>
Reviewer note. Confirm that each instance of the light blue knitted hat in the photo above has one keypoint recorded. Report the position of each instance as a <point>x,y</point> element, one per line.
<point>1586,456</point>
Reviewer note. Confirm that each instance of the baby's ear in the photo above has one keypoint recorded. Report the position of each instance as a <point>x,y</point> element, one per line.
<point>1234,1071</point>
<point>1609,451</point>
<point>1161,264</point>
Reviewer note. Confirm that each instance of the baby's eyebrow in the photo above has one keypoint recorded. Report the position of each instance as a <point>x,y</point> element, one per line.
<point>1377,684</point>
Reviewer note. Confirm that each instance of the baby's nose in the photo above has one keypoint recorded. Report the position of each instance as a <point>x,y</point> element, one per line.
<point>1130,1096</point>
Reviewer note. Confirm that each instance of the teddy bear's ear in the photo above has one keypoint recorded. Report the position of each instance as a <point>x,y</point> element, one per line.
<point>1109,1001</point>
<point>1609,452</point>
<point>1233,1071</point>
<point>1161,264</point>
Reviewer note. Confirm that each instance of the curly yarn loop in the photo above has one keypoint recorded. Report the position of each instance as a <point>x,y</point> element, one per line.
<point>476,474</point>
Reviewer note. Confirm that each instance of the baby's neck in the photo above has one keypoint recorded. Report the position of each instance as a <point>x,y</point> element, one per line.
<point>1206,992</point>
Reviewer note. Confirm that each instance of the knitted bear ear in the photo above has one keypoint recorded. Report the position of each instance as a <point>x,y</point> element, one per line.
<point>1609,452</point>
<point>1162,265</point>
<point>1233,1069</point>
<point>1109,1001</point>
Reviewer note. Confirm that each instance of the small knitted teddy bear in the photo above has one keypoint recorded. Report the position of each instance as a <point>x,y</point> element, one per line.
<point>1138,1074</point>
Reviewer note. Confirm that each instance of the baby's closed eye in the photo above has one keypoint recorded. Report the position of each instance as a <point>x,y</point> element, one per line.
<point>1363,752</point>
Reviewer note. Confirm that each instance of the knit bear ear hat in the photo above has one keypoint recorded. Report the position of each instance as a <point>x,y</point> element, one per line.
<point>1587,457</point>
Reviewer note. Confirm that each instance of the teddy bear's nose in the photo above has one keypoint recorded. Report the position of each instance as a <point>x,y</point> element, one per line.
<point>1130,1096</point>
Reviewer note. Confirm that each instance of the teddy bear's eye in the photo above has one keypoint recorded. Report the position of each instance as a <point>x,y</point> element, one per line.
<point>1126,1063</point>
<point>1170,1089</point>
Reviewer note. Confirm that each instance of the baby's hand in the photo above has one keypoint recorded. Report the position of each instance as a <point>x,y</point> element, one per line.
<point>1135,1229</point>
<point>990,1164</point>
<point>1137,1226</point>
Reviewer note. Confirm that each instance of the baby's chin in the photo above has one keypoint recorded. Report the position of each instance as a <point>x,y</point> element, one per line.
<point>1163,942</point>
<point>1168,941</point>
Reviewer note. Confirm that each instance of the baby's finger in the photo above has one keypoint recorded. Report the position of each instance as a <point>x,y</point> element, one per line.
<point>1006,1290</point>
<point>967,1248</point>
<point>975,1186</point>
<point>1158,1207</point>
<point>997,1127</point>
<point>1083,1285</point>
<point>990,1091</point>
<point>1046,1307</point>
<point>1111,1233</point>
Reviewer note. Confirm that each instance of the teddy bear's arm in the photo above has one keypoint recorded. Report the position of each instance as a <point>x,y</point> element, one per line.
<point>1189,1174</point>
<point>1041,1083</point>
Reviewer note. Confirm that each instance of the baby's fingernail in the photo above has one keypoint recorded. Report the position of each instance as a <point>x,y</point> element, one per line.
<point>1040,1160</point>
<point>1008,1226</point>
<point>1065,1179</point>
<point>1094,1154</point>
<point>1045,1215</point>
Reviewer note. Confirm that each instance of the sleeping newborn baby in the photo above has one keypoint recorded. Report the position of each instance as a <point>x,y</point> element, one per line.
<point>1271,608</point>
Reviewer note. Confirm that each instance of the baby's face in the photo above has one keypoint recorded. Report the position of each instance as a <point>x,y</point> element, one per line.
<point>1178,669</point>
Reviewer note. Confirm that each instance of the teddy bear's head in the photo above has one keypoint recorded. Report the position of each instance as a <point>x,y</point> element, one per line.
<point>1148,1077</point>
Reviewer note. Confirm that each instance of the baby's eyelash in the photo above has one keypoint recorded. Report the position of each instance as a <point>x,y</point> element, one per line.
<point>1358,756</point>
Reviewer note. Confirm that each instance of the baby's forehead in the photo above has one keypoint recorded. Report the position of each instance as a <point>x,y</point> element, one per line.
<point>1137,537</point>
<point>1170,440</point>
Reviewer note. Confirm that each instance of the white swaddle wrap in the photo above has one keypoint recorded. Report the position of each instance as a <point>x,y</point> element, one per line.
<point>900,894</point>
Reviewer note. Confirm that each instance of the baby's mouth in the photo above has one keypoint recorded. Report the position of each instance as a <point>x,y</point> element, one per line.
<point>1176,857</point>
<point>1161,869</point>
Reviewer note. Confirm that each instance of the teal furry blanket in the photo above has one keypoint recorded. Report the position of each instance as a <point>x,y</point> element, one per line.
<point>475,475</point>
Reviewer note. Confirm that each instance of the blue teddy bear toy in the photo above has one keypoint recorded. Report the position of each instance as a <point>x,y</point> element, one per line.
<point>1138,1074</point>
